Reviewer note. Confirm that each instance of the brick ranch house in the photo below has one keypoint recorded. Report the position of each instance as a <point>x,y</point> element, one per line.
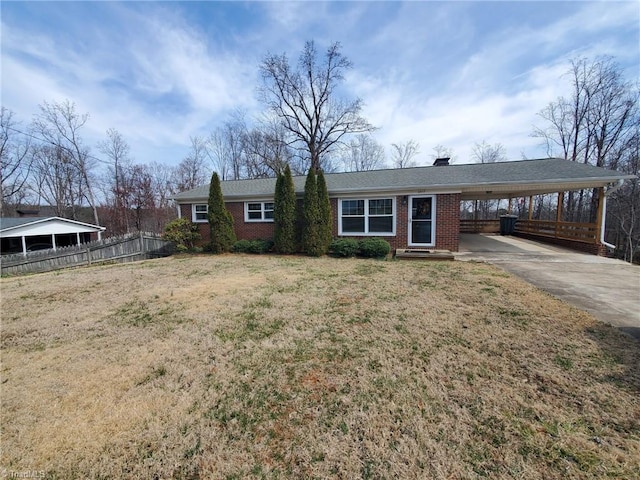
<point>411,207</point>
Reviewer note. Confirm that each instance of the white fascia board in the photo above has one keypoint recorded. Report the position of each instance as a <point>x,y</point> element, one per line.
<point>489,191</point>
<point>559,183</point>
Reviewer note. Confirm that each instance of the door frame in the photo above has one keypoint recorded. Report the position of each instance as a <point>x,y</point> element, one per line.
<point>410,219</point>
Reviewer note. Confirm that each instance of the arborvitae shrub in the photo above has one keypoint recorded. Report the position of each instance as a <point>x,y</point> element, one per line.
<point>374,247</point>
<point>312,242</point>
<point>220,220</point>
<point>344,247</point>
<point>285,214</point>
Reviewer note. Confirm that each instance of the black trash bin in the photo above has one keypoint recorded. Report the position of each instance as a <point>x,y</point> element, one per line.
<point>508,224</point>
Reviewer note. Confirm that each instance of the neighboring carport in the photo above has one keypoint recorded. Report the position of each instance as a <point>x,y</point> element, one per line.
<point>23,234</point>
<point>609,289</point>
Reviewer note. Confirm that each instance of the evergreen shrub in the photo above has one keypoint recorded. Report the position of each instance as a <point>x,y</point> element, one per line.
<point>252,246</point>
<point>285,214</point>
<point>344,247</point>
<point>374,248</point>
<point>183,233</point>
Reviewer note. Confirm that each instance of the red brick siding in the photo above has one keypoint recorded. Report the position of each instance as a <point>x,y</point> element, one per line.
<point>447,223</point>
<point>248,230</point>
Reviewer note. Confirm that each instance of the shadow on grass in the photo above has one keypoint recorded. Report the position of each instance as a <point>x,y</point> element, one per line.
<point>633,331</point>
<point>620,347</point>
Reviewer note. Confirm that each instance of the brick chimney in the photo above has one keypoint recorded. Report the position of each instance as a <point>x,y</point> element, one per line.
<point>441,162</point>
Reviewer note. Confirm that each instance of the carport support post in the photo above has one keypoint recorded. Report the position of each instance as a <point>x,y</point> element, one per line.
<point>24,245</point>
<point>559,212</point>
<point>559,208</point>
<point>599,215</point>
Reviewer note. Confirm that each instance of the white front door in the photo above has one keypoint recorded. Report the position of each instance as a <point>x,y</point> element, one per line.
<point>422,232</point>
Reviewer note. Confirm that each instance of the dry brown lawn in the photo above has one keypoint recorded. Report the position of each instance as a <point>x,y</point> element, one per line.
<point>288,367</point>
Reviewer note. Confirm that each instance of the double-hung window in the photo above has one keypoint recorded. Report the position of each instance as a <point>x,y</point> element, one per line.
<point>366,216</point>
<point>199,212</point>
<point>258,211</point>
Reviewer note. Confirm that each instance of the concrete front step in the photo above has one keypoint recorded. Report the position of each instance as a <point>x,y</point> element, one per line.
<point>423,254</point>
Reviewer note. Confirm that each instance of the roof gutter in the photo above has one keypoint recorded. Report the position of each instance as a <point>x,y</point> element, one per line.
<point>608,192</point>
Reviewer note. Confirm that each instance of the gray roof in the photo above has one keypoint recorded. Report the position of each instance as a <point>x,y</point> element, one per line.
<point>477,180</point>
<point>11,222</point>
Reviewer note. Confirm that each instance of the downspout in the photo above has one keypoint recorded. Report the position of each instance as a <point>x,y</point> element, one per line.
<point>608,192</point>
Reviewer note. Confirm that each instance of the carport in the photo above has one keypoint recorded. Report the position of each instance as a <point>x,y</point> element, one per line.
<point>517,196</point>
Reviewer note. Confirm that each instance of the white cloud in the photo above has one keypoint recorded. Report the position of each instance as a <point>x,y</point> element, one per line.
<point>431,71</point>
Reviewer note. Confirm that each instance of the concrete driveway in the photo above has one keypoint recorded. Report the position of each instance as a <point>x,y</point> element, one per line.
<point>609,289</point>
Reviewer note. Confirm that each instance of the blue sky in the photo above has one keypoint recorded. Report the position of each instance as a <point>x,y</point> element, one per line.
<point>440,73</point>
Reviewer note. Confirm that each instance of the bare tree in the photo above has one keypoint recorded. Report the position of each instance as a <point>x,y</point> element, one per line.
<point>116,149</point>
<point>403,153</point>
<point>192,170</point>
<point>486,153</point>
<point>163,187</point>
<point>363,153</point>
<point>56,180</point>
<point>590,126</point>
<point>225,147</point>
<point>59,124</point>
<point>266,152</point>
<point>623,212</point>
<point>305,101</point>
<point>15,160</point>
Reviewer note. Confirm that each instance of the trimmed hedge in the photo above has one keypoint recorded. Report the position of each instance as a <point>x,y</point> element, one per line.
<point>252,246</point>
<point>367,247</point>
<point>344,247</point>
<point>374,248</point>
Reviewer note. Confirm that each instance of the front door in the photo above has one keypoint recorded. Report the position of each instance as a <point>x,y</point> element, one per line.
<point>421,224</point>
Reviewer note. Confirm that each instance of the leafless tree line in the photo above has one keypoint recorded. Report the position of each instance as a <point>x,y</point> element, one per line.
<point>599,124</point>
<point>45,163</point>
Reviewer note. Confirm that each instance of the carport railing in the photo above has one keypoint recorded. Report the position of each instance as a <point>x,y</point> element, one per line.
<point>479,226</point>
<point>577,232</point>
<point>580,232</point>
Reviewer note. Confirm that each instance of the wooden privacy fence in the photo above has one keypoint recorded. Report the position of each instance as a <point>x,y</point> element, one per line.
<point>127,248</point>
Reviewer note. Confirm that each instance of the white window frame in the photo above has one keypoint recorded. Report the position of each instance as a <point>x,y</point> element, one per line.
<point>262,212</point>
<point>433,221</point>
<point>194,217</point>
<point>366,233</point>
